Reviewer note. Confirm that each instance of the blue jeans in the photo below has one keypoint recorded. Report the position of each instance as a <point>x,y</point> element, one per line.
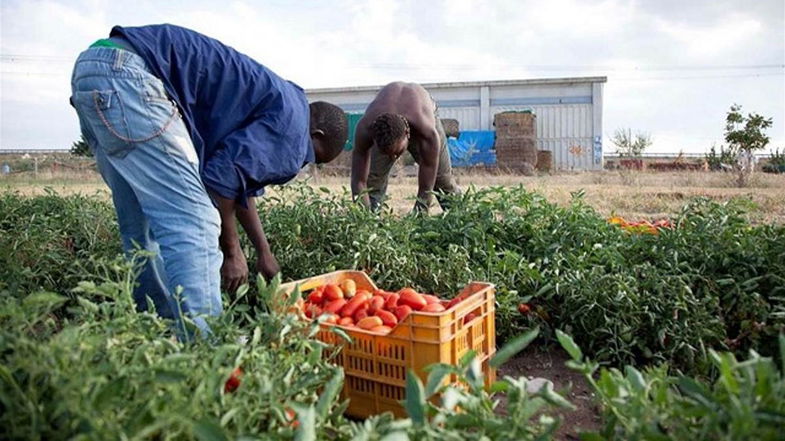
<point>145,155</point>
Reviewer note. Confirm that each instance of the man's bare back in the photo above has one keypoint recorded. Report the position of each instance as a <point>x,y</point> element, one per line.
<point>409,100</point>
<point>401,117</point>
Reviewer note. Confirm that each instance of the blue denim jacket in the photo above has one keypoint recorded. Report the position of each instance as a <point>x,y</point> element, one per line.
<point>250,127</point>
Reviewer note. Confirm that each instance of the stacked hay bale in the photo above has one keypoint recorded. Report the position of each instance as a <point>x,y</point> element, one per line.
<point>544,161</point>
<point>516,141</point>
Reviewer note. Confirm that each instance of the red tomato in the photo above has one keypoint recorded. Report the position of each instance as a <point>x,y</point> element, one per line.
<point>234,380</point>
<point>377,303</point>
<point>346,321</point>
<point>524,308</point>
<point>455,301</point>
<point>388,318</point>
<point>360,298</point>
<point>332,292</point>
<point>433,307</point>
<point>392,302</point>
<point>291,417</point>
<point>316,296</point>
<point>469,317</point>
<point>411,298</point>
<point>430,299</point>
<point>401,312</point>
<point>383,293</point>
<point>312,311</point>
<point>360,314</point>
<point>369,322</point>
<point>334,306</point>
<point>382,329</point>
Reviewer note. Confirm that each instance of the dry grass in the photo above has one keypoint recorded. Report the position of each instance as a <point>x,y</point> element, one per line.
<point>634,195</point>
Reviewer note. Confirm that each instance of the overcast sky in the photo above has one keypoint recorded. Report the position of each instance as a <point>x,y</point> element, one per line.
<point>673,67</point>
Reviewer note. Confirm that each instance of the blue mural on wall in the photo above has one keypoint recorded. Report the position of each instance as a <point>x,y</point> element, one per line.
<point>472,147</point>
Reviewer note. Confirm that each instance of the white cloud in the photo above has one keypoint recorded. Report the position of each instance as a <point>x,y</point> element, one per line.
<point>345,42</point>
<point>706,42</point>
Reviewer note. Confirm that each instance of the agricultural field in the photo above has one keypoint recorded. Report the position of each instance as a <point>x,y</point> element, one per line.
<point>671,333</point>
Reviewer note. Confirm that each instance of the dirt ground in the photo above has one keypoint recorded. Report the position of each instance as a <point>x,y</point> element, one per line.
<point>549,364</point>
<point>634,195</point>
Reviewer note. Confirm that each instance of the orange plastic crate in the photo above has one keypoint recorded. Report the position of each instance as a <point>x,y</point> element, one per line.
<point>375,365</point>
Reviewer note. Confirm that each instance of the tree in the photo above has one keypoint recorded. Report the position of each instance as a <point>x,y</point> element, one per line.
<point>630,145</point>
<point>80,148</point>
<point>744,135</point>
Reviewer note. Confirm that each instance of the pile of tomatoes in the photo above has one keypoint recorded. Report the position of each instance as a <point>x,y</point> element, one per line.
<point>642,227</point>
<point>378,312</point>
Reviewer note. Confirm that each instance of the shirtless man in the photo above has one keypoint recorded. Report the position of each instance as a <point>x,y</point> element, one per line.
<point>401,117</point>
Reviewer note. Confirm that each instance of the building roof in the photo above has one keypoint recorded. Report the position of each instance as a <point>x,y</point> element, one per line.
<point>530,82</point>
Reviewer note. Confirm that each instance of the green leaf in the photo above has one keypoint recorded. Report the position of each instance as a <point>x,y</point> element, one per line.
<point>513,347</point>
<point>44,301</point>
<point>590,436</point>
<point>341,333</point>
<point>169,376</point>
<point>782,351</point>
<point>499,386</point>
<point>569,345</point>
<point>241,291</point>
<point>554,398</point>
<point>467,358</point>
<point>331,390</point>
<point>635,378</point>
<point>306,416</point>
<point>207,430</point>
<point>395,436</point>
<point>415,398</point>
<point>540,292</point>
<point>450,398</point>
<point>435,379</point>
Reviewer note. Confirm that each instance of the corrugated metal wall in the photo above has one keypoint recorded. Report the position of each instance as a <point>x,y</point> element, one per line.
<point>569,111</point>
<point>565,130</point>
<point>468,117</point>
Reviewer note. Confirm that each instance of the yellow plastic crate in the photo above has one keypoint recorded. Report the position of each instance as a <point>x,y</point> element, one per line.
<point>375,365</point>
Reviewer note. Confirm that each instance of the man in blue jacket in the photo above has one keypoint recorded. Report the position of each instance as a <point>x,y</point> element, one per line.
<point>181,124</point>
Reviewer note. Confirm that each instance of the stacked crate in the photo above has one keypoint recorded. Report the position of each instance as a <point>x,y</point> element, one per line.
<point>451,127</point>
<point>516,141</point>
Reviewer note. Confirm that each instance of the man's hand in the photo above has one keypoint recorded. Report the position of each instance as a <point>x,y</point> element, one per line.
<point>234,271</point>
<point>267,265</point>
<point>420,207</point>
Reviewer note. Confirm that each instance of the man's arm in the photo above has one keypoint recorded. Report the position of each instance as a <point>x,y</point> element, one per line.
<point>429,164</point>
<point>361,164</point>
<point>234,270</point>
<point>266,264</point>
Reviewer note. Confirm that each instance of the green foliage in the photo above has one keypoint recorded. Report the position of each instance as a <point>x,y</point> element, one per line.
<point>714,281</point>
<point>716,160</point>
<point>82,364</point>
<point>746,133</point>
<point>629,145</point>
<point>745,400</point>
<point>776,163</point>
<point>104,371</point>
<point>81,148</point>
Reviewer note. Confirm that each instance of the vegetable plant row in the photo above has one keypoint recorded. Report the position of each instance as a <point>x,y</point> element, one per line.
<point>695,312</point>
<point>708,280</point>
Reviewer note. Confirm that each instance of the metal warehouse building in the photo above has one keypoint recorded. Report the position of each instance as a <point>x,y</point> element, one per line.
<point>568,111</point>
